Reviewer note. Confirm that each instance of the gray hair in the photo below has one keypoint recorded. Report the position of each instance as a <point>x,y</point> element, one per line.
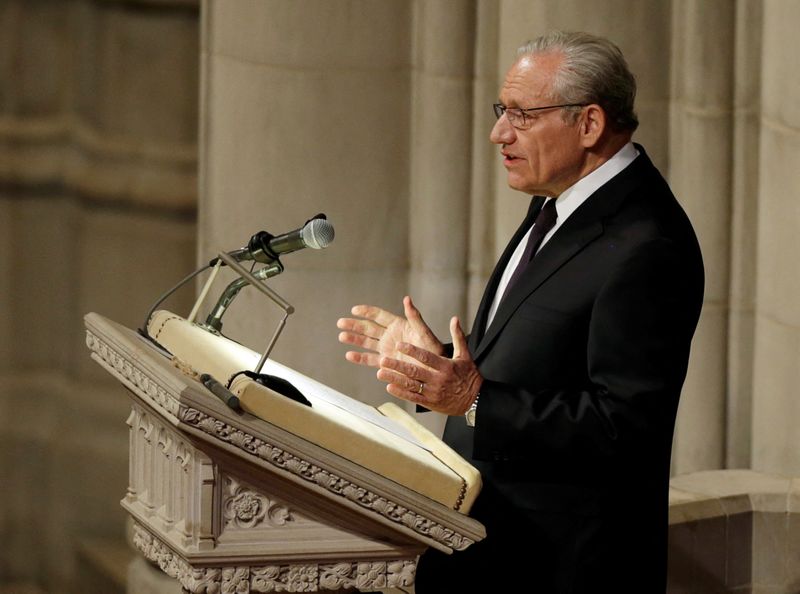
<point>593,71</point>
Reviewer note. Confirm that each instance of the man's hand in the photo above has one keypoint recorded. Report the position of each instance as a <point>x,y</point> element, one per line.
<point>380,332</point>
<point>445,385</point>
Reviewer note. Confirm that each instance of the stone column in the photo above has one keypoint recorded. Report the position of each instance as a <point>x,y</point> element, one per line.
<point>484,91</point>
<point>776,413</point>
<point>441,108</point>
<point>440,151</point>
<point>700,174</point>
<point>744,236</point>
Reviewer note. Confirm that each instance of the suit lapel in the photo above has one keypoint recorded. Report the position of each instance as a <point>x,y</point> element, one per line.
<point>555,253</point>
<point>584,226</point>
<point>479,324</point>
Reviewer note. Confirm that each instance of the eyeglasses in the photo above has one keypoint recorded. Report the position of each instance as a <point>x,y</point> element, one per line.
<point>518,117</point>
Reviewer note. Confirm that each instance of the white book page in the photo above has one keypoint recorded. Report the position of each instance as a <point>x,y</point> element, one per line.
<point>314,390</point>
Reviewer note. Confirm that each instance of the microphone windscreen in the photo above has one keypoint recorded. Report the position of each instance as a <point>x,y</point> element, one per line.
<point>318,234</point>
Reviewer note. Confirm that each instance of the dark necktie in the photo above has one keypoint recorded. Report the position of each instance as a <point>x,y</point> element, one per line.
<point>545,221</point>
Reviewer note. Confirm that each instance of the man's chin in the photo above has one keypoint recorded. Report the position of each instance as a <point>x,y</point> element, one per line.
<point>519,185</point>
<point>524,186</point>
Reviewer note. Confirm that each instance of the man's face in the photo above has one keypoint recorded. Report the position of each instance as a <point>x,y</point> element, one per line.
<point>546,158</point>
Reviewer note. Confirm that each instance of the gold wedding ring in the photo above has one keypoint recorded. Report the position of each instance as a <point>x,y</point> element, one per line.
<point>421,387</point>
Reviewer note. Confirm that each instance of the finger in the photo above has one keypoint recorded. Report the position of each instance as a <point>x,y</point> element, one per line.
<point>401,380</point>
<point>368,359</point>
<point>365,327</point>
<point>374,313</point>
<point>460,347</point>
<point>401,392</point>
<point>425,357</point>
<point>407,369</point>
<point>358,340</point>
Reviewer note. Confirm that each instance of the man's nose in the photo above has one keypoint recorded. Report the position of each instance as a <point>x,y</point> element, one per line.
<point>502,132</point>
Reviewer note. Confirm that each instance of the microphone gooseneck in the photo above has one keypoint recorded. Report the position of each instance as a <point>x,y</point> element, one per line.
<point>266,248</point>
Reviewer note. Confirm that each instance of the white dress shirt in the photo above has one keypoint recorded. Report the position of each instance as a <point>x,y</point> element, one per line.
<point>567,203</point>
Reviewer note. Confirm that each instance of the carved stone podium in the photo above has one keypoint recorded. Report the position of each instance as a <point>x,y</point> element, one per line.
<point>227,502</point>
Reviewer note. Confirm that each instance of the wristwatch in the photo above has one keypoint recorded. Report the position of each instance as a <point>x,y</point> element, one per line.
<point>472,412</point>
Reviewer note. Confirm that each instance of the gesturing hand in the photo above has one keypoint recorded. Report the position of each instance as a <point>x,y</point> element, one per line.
<point>381,332</point>
<point>436,382</point>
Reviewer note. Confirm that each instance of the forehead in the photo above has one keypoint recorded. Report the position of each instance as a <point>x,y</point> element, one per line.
<point>529,79</point>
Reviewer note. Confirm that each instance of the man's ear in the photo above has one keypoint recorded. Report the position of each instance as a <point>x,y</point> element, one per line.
<point>592,125</point>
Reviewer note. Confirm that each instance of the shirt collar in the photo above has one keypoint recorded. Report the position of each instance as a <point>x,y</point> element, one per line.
<point>571,198</point>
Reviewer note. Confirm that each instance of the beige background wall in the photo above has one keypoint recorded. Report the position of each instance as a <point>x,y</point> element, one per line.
<point>98,187</point>
<point>376,113</point>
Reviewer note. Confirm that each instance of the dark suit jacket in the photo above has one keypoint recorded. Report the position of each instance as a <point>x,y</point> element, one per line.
<point>583,367</point>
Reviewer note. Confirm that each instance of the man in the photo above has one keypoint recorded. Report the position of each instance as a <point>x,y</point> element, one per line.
<point>565,394</point>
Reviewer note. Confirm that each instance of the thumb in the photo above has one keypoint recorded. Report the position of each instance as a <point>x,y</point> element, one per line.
<point>412,314</point>
<point>460,348</point>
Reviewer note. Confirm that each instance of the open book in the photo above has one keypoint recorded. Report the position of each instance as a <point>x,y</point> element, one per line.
<point>386,439</point>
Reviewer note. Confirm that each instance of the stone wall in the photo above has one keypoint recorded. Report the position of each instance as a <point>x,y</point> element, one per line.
<point>98,118</point>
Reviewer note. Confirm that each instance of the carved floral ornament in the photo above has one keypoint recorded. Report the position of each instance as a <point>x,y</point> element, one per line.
<point>363,575</point>
<point>149,389</point>
<point>244,507</point>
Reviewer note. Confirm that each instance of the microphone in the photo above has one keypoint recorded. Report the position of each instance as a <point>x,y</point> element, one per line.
<point>264,247</point>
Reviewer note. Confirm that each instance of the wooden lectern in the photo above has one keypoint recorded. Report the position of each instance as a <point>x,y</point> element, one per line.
<point>279,496</point>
